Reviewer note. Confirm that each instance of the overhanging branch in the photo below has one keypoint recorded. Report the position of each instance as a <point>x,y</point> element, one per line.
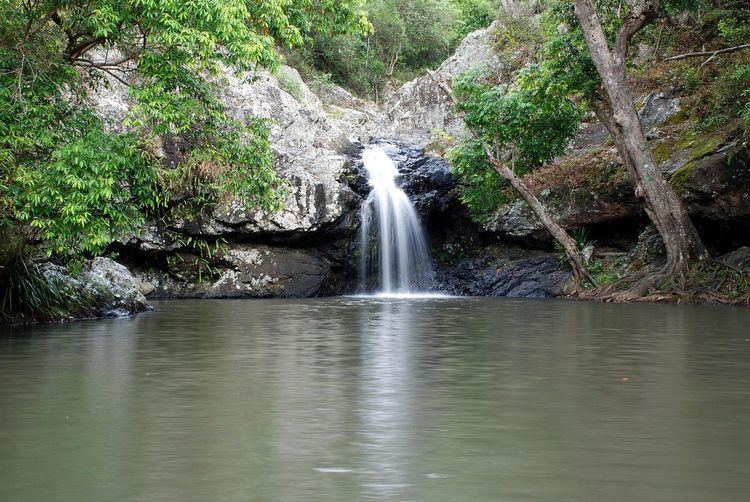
<point>646,12</point>
<point>711,54</point>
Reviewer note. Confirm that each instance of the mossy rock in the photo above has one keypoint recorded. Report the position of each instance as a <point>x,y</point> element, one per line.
<point>697,147</point>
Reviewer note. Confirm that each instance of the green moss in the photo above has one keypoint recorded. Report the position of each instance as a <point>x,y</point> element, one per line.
<point>662,152</point>
<point>697,146</point>
<point>680,177</point>
<point>681,116</point>
<point>607,270</point>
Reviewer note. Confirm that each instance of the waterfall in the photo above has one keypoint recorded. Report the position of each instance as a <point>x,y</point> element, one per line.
<point>393,245</point>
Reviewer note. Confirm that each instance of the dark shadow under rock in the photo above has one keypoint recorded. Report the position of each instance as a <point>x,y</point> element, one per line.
<point>535,277</point>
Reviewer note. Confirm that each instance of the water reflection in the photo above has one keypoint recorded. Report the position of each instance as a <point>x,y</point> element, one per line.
<point>380,399</point>
<point>386,334</point>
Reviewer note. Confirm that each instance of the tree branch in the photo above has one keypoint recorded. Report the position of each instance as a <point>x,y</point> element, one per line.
<point>646,12</point>
<point>596,40</point>
<point>712,54</point>
<point>109,69</point>
<point>80,48</point>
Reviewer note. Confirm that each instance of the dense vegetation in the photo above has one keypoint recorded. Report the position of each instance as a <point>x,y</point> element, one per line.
<point>538,40</point>
<point>72,182</point>
<point>407,36</point>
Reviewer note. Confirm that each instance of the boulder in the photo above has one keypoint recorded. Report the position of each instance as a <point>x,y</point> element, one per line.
<point>658,107</point>
<point>104,288</point>
<point>739,259</point>
<point>716,189</point>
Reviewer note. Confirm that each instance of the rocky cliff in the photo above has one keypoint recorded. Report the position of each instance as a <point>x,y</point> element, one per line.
<point>420,109</point>
<point>229,252</point>
<point>307,248</point>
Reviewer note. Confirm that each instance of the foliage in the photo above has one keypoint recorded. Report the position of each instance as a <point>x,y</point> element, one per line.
<point>76,185</point>
<point>561,69</point>
<point>582,241</point>
<point>527,119</point>
<point>234,163</point>
<point>482,189</point>
<point>407,36</point>
<point>73,182</point>
<point>200,253</point>
<point>472,15</point>
<point>519,35</point>
<point>608,270</point>
<point>716,91</point>
<point>566,62</point>
<point>25,293</point>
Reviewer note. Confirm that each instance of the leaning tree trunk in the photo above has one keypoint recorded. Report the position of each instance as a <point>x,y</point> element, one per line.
<point>664,208</point>
<point>573,254</point>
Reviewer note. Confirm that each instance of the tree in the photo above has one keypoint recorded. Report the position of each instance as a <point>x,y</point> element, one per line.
<point>472,15</point>
<point>516,129</point>
<point>616,109</point>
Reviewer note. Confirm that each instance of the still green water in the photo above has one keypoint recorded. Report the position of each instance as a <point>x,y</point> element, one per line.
<point>377,399</point>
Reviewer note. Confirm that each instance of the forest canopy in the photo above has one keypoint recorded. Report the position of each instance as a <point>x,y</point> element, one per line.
<point>407,37</point>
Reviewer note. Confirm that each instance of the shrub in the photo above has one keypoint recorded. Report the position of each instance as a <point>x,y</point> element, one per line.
<point>25,293</point>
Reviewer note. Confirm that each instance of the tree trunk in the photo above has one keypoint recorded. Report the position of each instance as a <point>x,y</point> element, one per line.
<point>575,258</point>
<point>618,113</point>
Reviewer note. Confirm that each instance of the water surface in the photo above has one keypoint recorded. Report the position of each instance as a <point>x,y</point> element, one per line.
<point>380,399</point>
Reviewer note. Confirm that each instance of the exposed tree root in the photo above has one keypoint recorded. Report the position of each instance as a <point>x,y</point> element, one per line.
<point>710,282</point>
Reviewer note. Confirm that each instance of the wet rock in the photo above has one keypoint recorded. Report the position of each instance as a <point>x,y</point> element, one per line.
<point>113,287</point>
<point>534,277</point>
<point>739,258</point>
<point>147,288</point>
<point>429,184</point>
<point>427,180</point>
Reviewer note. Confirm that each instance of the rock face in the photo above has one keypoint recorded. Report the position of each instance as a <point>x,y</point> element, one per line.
<point>426,179</point>
<point>715,185</point>
<point>309,247</point>
<point>309,149</point>
<point>309,146</point>
<point>418,109</point>
<point>535,277</point>
<point>256,271</point>
<point>104,288</point>
<point>428,182</point>
<point>711,174</point>
<point>232,252</point>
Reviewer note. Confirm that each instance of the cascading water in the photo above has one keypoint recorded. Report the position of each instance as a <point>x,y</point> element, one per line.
<point>393,245</point>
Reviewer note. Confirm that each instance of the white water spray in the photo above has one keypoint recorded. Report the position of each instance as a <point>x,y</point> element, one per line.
<point>393,244</point>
